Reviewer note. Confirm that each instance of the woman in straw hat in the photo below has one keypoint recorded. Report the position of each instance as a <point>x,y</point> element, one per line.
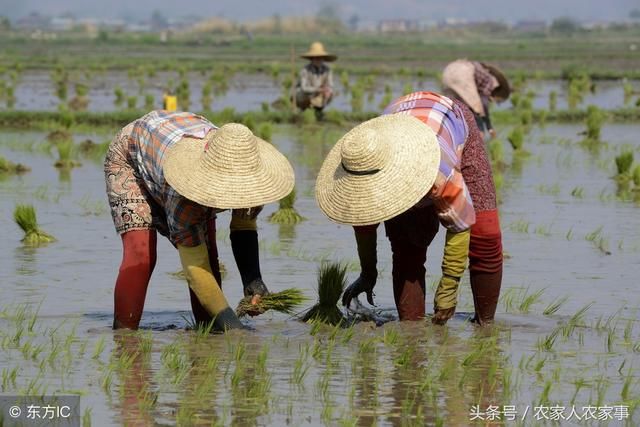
<point>477,85</point>
<point>315,83</point>
<point>171,172</point>
<point>420,164</point>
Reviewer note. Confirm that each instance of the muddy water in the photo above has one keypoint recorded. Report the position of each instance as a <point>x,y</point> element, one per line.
<point>247,92</point>
<point>411,374</point>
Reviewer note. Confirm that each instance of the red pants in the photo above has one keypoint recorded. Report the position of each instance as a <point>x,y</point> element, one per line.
<point>138,261</point>
<point>485,268</point>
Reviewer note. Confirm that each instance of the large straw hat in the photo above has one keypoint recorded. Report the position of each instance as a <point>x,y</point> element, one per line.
<point>316,50</point>
<point>502,92</point>
<point>231,168</point>
<point>378,170</point>
<point>459,76</point>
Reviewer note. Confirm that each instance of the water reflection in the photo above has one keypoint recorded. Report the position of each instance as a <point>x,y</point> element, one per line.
<point>25,260</point>
<point>137,393</point>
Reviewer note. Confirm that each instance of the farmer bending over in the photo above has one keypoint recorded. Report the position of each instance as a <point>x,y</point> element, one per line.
<point>171,172</point>
<point>421,163</point>
<point>477,85</point>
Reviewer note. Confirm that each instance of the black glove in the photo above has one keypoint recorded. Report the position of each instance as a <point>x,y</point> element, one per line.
<point>257,287</point>
<point>362,284</point>
<point>244,244</point>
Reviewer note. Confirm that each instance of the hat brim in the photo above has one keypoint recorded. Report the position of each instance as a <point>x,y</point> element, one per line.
<point>503,91</point>
<point>327,57</point>
<point>410,171</point>
<point>183,170</point>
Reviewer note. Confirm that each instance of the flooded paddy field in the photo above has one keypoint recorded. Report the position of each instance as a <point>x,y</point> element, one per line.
<point>36,90</point>
<point>564,349</point>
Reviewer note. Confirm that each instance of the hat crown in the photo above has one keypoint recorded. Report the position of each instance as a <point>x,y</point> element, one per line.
<point>364,151</point>
<point>233,148</point>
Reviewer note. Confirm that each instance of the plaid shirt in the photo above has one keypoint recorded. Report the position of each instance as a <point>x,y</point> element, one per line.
<point>182,220</point>
<point>449,193</point>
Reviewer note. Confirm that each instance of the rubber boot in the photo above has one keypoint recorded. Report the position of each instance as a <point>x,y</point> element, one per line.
<point>486,292</point>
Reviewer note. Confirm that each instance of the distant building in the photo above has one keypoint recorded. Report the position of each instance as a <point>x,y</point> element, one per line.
<point>398,26</point>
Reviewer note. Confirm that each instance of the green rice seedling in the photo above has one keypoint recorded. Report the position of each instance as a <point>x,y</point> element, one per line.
<point>265,131</point>
<point>636,177</point>
<point>286,213</point>
<point>520,226</point>
<point>496,151</point>
<point>594,235</point>
<point>344,79</point>
<point>119,95</point>
<point>553,100</point>
<point>626,386</point>
<point>286,301</point>
<point>594,120</point>
<point>386,98</point>
<point>308,117</point>
<point>627,88</point>
<point>331,283</point>
<point>516,138</point>
<point>357,98</point>
<point>407,89</point>
<point>553,307</point>
<point>132,102</point>
<point>547,343</point>
<point>529,299</point>
<point>390,337</point>
<point>86,418</point>
<point>149,102</point>
<point>624,161</point>
<point>578,192</point>
<point>610,339</point>
<point>7,167</point>
<point>334,116</point>
<point>65,150</point>
<point>25,217</point>
<point>99,348</point>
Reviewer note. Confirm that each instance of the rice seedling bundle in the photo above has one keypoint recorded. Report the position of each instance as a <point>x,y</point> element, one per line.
<point>624,162</point>
<point>285,301</point>
<point>286,213</point>
<point>331,283</point>
<point>25,217</point>
<point>65,149</point>
<point>9,167</point>
<point>516,138</point>
<point>595,118</point>
<point>636,177</point>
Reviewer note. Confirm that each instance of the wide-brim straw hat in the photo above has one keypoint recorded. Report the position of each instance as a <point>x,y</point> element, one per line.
<point>502,92</point>
<point>378,170</point>
<point>316,50</point>
<point>230,168</point>
<point>459,77</point>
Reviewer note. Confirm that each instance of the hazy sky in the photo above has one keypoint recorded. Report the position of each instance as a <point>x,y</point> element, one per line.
<point>509,10</point>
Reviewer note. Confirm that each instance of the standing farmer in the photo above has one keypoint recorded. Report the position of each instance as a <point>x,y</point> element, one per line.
<point>477,85</point>
<point>171,172</point>
<point>421,163</point>
<point>315,83</point>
